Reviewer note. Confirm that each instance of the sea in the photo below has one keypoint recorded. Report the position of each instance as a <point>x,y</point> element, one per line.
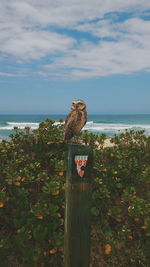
<point>108,124</point>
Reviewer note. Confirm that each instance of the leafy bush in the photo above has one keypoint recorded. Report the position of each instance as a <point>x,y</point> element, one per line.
<point>32,197</point>
<point>32,175</point>
<point>121,201</point>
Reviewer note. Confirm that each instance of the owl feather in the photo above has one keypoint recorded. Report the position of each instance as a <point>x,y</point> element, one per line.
<point>76,119</point>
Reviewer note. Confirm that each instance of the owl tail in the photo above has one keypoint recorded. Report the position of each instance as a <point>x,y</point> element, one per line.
<point>68,135</point>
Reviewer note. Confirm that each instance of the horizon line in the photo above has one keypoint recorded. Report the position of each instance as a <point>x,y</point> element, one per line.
<point>64,114</point>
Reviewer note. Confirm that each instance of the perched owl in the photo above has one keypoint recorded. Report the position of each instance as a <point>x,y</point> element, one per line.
<point>76,119</point>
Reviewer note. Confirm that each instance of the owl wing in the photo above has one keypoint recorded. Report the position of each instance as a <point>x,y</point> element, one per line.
<point>85,118</point>
<point>70,124</point>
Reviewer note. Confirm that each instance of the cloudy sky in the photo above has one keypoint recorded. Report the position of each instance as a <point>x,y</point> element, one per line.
<point>52,52</point>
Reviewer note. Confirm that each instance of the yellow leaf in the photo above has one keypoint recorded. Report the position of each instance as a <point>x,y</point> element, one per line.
<point>1,204</point>
<point>136,219</point>
<point>55,193</point>
<point>61,173</point>
<point>144,227</point>
<point>107,249</point>
<point>17,183</point>
<point>118,179</point>
<point>53,251</point>
<point>39,217</point>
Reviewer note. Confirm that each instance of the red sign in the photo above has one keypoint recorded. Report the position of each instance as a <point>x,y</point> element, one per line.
<point>81,161</point>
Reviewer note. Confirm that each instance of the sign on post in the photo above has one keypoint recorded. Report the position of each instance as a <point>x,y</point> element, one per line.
<point>77,211</point>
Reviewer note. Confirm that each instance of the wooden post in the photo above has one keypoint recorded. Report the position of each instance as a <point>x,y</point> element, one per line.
<point>77,212</point>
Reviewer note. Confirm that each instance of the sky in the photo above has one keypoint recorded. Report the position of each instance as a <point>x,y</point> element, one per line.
<point>52,52</point>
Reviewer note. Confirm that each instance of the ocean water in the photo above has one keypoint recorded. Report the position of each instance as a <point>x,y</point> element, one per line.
<point>108,124</point>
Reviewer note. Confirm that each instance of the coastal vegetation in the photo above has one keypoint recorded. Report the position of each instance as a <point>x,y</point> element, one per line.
<point>32,198</point>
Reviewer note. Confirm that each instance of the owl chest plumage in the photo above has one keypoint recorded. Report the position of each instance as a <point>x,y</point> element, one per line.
<point>80,122</point>
<point>75,122</point>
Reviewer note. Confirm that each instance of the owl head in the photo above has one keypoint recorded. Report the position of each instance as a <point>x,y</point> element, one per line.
<point>78,104</point>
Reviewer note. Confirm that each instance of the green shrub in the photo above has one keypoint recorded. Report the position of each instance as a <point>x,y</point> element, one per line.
<point>32,180</point>
<point>32,199</point>
<point>121,201</point>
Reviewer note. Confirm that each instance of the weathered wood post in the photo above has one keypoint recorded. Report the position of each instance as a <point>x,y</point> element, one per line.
<point>77,212</point>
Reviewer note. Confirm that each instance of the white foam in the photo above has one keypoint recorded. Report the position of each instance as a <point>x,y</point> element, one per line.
<point>115,128</point>
<point>89,122</point>
<point>20,125</point>
<point>90,125</point>
<point>58,123</point>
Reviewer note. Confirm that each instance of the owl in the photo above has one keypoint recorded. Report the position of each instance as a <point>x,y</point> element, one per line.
<point>76,119</point>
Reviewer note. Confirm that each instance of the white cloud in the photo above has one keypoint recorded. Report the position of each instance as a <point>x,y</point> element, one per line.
<point>31,44</point>
<point>105,28</point>
<point>136,25</point>
<point>29,31</point>
<point>65,12</point>
<point>6,74</point>
<point>130,53</point>
<point>101,29</point>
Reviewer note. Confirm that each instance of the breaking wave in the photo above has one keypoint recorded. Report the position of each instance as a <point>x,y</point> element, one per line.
<point>20,125</point>
<point>113,128</point>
